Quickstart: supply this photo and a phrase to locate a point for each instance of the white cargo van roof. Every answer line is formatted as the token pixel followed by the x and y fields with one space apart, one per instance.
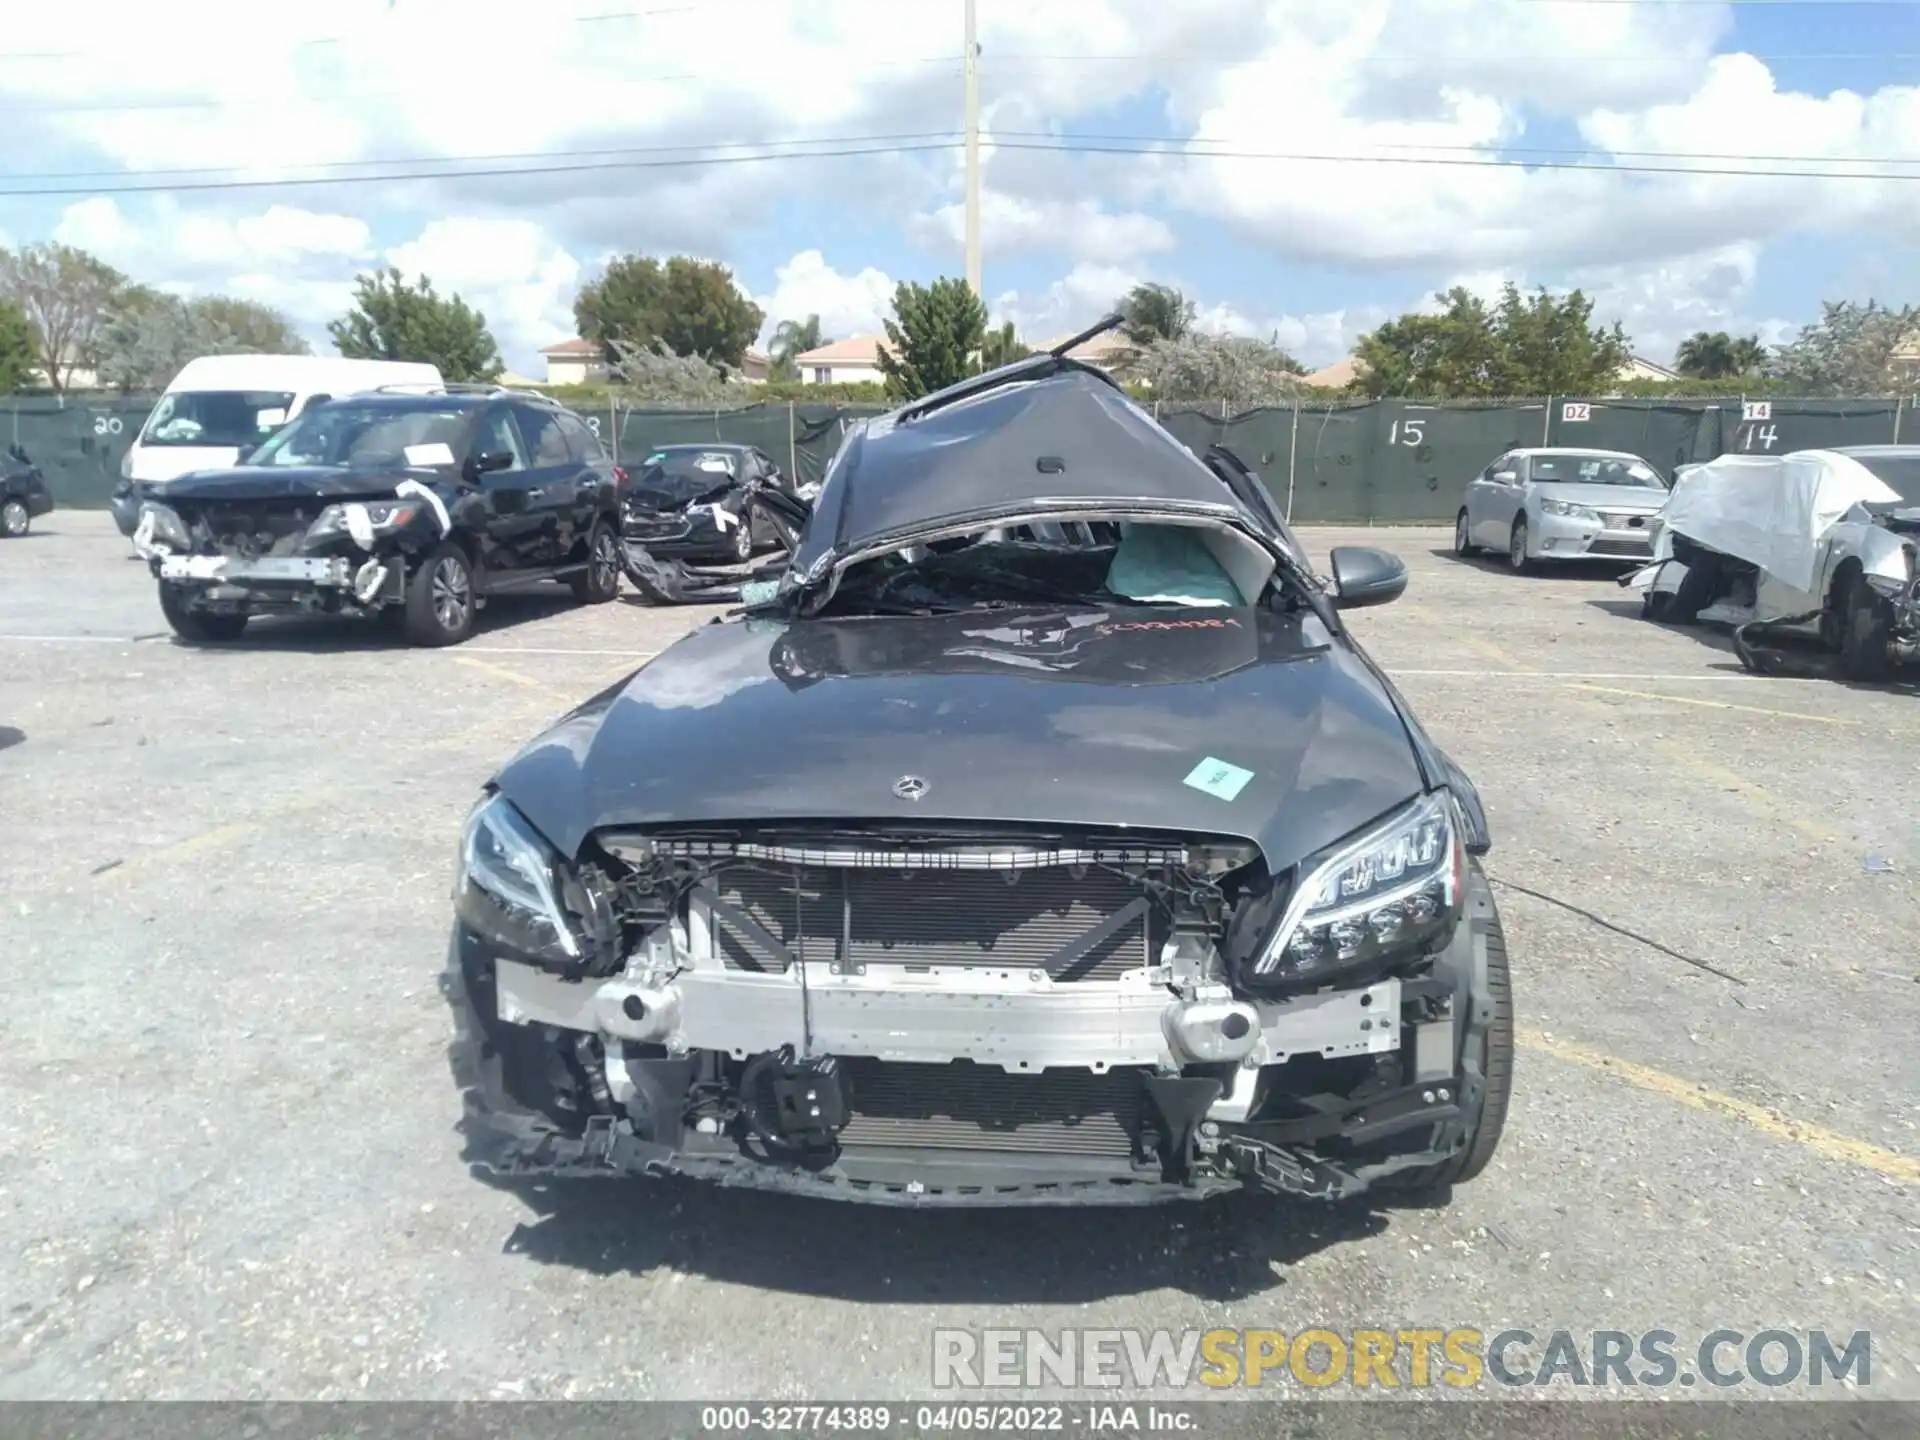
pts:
pixel 299 373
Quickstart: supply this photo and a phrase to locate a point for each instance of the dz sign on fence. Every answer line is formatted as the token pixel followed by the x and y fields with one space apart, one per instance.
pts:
pixel 1576 412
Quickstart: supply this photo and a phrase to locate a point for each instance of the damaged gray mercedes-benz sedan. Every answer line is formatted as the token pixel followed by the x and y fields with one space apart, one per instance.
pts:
pixel 1040 835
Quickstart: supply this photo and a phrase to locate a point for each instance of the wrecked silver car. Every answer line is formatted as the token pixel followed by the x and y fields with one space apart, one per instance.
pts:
pixel 1814 546
pixel 1039 836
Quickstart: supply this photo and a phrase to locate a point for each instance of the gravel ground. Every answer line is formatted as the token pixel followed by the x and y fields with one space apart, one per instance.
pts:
pixel 227 1160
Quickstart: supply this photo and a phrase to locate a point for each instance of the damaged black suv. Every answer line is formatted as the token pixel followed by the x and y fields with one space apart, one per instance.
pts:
pixel 415 507
pixel 1038 835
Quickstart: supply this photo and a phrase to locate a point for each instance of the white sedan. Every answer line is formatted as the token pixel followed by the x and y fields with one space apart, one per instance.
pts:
pixel 1561 505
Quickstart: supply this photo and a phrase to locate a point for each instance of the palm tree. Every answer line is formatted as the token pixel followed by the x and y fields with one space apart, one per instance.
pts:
pixel 792 338
pixel 1156 312
pixel 1706 355
pixel 1749 355
pixel 1002 347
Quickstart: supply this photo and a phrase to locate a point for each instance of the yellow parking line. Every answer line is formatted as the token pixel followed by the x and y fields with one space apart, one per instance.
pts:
pixel 1716 705
pixel 1749 790
pixel 1829 1144
pixel 1492 651
pixel 501 672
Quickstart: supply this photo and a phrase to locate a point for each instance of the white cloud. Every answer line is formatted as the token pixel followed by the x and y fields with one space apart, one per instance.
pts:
pixel 510 270
pixel 93 84
pixel 846 304
pixel 1072 303
pixel 1082 229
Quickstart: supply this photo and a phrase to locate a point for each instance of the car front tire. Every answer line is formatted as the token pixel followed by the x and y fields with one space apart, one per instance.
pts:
pixel 200 627
pixel 600 581
pixel 14 519
pixel 743 541
pixel 1517 558
pixel 1463 545
pixel 441 602
pixel 1491 1052
pixel 1865 634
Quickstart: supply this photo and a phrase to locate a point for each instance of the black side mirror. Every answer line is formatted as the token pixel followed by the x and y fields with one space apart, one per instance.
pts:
pixel 490 462
pixel 1365 576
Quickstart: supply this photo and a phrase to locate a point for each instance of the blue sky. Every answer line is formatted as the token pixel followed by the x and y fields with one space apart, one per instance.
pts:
pixel 99 95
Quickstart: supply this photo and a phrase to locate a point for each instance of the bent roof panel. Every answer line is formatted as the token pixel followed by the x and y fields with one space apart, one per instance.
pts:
pixel 987 451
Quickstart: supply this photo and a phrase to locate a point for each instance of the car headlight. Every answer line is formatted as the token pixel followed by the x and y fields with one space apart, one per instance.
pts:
pixel 163 523
pixel 509 884
pixel 1392 889
pixel 1568 509
pixel 364 520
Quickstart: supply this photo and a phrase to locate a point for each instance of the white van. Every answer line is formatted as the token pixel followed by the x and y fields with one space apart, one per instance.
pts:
pixel 220 406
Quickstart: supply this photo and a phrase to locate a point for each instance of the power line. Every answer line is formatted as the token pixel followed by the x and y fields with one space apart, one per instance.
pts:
pixel 953 135
pixel 567 162
pixel 1082 139
pixel 263 102
pixel 490 173
pixel 314 40
pixel 1493 163
pixel 1454 57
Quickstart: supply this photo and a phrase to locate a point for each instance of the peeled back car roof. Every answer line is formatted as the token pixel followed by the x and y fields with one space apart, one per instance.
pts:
pixel 1067 435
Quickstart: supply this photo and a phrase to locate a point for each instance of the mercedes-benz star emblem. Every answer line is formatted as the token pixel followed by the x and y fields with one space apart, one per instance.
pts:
pixel 910 787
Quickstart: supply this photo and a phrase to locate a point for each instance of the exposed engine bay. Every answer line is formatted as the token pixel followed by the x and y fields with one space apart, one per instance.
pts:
pixel 308 555
pixel 881 1009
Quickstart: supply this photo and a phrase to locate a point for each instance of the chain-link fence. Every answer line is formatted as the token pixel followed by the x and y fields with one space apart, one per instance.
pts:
pixel 1382 461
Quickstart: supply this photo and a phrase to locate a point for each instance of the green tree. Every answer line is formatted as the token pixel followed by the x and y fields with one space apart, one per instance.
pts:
pixel 1852 349
pixel 1453 353
pixel 393 320
pixel 1155 312
pixel 692 306
pixel 18 347
pixel 1538 344
pixel 1002 347
pixel 933 339
pixel 1234 370
pixel 68 297
pixel 793 338
pixel 151 336
pixel 1716 355
pixel 1549 345
pixel 255 329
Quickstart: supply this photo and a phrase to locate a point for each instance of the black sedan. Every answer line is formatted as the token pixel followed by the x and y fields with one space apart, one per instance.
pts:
pixel 24 495
pixel 1039 836
pixel 692 502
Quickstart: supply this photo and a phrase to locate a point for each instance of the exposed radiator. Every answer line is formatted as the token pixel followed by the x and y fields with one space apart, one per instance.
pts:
pixel 963 1106
pixel 935 917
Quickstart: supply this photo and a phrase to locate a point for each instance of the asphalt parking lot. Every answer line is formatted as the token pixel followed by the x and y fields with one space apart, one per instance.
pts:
pixel 227 1159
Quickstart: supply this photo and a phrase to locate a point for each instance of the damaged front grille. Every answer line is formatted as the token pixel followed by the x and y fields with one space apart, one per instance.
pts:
pixel 250 531
pixel 963 1106
pixel 1080 923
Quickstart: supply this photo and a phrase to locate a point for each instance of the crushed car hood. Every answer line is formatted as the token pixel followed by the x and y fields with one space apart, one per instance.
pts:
pixel 289 482
pixel 658 491
pixel 1075 718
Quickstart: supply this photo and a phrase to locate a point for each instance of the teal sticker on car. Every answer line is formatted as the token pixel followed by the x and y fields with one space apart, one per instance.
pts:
pixel 1218 778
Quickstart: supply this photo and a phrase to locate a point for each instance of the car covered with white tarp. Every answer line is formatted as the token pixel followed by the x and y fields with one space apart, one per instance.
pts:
pixel 1814 543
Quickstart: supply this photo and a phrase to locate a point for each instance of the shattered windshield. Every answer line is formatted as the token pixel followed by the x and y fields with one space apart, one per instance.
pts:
pixel 1595 470
pixel 1080 564
pixel 342 435
pixel 240 418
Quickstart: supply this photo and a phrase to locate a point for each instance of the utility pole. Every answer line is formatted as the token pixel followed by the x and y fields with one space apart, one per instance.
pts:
pixel 973 153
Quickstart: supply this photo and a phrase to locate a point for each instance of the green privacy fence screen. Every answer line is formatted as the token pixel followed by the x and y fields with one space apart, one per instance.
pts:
pixel 1381 461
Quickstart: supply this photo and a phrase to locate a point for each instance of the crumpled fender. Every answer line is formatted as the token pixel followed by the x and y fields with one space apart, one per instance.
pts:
pixel 1883 555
